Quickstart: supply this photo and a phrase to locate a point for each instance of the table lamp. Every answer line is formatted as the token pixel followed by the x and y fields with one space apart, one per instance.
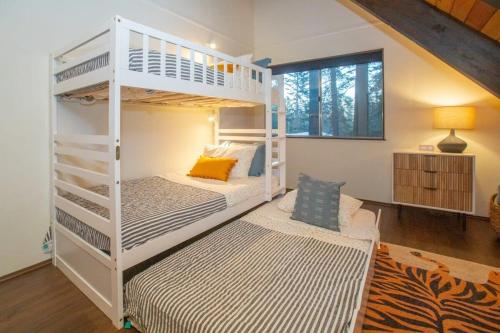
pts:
pixel 452 118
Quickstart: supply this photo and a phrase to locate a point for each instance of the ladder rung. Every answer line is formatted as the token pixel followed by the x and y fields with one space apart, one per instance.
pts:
pixel 83 153
pixel 90 175
pixel 82 139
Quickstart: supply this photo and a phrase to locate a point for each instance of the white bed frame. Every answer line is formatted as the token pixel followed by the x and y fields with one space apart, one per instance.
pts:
pixel 96 274
pixel 358 316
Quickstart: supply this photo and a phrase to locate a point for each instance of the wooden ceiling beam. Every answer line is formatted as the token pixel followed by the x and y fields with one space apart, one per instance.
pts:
pixel 470 52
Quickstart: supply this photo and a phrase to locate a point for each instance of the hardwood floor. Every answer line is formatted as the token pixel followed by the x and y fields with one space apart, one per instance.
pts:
pixel 440 233
pixel 44 300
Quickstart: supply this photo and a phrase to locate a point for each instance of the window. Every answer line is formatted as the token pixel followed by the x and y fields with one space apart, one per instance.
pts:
pixel 339 97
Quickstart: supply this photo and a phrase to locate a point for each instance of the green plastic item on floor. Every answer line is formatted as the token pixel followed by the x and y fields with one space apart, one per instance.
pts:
pixel 127 324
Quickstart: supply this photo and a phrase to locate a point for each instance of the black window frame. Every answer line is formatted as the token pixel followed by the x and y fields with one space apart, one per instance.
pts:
pixel 335 61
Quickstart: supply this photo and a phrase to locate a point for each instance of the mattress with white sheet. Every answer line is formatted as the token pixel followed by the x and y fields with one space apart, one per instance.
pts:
pixel 361 230
pixel 236 190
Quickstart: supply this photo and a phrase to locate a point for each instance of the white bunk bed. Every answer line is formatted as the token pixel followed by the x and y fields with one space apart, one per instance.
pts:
pixel 156 68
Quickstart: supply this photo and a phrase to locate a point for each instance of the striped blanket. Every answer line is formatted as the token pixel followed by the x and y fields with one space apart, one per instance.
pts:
pixel 151 207
pixel 247 278
pixel 154 61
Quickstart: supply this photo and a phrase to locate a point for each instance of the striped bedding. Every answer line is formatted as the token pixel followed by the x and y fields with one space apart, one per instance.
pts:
pixel 247 278
pixel 151 207
pixel 135 64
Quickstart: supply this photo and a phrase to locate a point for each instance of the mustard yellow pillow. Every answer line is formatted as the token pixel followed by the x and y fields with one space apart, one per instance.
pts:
pixel 213 167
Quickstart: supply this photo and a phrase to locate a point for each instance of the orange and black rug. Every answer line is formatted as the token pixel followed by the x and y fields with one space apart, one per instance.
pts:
pixel 407 298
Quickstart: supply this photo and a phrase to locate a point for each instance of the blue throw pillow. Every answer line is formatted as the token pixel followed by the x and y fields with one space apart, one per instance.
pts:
pixel 318 202
pixel 258 162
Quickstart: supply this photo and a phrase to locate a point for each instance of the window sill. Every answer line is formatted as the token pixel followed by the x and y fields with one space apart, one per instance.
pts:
pixel 334 138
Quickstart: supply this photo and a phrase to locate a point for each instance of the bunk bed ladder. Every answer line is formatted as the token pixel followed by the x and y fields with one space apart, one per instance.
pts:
pixel 269 136
pixel 119 39
pixel 78 160
pixel 279 140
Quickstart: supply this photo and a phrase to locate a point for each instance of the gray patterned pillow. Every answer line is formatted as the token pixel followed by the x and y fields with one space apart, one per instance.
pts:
pixel 317 202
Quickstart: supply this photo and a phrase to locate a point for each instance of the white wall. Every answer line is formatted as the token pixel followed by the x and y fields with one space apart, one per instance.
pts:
pixel 244 117
pixel 294 30
pixel 155 140
pixel 30 30
pixel 224 20
pixel 284 30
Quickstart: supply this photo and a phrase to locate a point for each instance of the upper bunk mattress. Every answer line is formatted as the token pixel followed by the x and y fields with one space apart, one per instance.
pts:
pixel 247 277
pixel 154 67
pixel 151 207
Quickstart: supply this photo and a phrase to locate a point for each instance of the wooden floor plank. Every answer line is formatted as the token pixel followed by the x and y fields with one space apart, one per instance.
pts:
pixel 46 301
pixel 441 233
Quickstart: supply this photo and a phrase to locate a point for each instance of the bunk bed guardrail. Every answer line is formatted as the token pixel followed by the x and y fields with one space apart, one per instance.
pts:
pixel 152 59
pixel 277 144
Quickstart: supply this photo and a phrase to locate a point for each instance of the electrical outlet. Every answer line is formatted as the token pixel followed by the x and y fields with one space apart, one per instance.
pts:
pixel 426 147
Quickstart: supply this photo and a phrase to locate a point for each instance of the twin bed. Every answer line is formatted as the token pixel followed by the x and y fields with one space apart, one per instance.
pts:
pixel 262 273
pixel 155 206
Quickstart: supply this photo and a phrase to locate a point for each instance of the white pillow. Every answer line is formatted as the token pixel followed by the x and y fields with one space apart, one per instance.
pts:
pixel 244 154
pixel 362 226
pixel 216 150
pixel 347 208
pixel 288 202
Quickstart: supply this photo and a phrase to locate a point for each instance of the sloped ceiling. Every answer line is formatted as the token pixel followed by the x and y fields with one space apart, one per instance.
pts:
pixel 462 33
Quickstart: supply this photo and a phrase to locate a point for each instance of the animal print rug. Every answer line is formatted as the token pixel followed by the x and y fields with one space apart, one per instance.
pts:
pixel 408 298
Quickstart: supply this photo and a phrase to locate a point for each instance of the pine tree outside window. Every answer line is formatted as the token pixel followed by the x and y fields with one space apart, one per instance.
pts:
pixel 338 97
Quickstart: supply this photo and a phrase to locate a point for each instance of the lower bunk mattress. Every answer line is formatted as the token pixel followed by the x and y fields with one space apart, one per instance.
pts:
pixel 151 207
pixel 253 275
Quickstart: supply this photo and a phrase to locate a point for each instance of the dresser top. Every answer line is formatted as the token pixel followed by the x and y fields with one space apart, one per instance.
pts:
pixel 423 152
